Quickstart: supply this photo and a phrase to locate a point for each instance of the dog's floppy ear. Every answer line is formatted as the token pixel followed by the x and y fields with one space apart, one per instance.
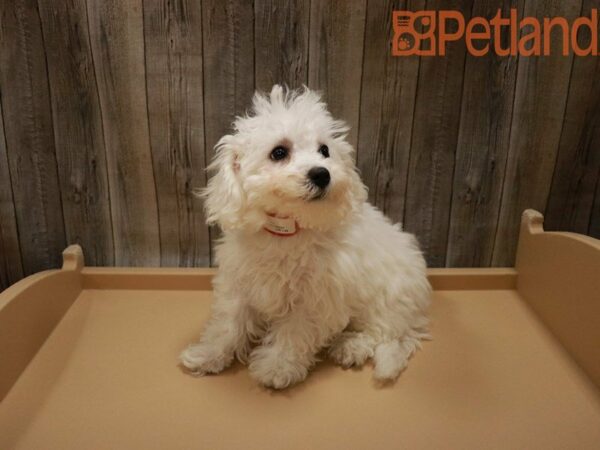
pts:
pixel 224 196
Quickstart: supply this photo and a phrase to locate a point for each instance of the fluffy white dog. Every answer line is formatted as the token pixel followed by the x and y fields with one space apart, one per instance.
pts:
pixel 305 262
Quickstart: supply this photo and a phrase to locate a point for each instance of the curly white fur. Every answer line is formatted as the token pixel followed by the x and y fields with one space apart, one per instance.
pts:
pixel 348 279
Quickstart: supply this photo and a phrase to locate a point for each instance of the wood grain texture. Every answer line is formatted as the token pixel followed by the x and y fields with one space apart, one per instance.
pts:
pixel 539 111
pixel 281 42
pixel 111 111
pixel 116 34
pixel 11 266
pixel 389 86
pixel 435 134
pixel 594 228
pixel 29 136
pixel 571 198
pixel 80 150
pixel 228 42
pixel 482 147
pixel 173 41
pixel 228 54
pixel 336 39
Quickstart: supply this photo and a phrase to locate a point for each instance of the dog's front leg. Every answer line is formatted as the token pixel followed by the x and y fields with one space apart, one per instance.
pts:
pixel 225 335
pixel 288 350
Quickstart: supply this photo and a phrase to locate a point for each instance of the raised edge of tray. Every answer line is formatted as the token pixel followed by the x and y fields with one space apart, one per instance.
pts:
pixel 559 278
pixel 200 279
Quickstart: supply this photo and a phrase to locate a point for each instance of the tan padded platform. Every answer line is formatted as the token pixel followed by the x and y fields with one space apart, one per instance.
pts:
pixel 107 376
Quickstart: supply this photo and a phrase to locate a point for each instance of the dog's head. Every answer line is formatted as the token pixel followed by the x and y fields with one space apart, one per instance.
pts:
pixel 288 157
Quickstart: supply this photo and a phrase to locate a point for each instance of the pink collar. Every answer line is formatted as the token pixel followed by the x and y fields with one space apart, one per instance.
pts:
pixel 282 226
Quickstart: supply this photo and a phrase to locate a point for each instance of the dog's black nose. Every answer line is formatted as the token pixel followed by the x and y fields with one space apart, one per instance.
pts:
pixel 319 176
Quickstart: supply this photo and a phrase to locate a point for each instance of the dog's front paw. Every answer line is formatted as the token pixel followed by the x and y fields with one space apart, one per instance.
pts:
pixel 202 359
pixel 273 369
pixel 351 349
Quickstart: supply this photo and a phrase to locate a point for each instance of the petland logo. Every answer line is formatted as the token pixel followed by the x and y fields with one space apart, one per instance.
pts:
pixel 426 33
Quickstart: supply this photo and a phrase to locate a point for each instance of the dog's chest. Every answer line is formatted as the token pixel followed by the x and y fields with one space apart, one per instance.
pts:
pixel 277 279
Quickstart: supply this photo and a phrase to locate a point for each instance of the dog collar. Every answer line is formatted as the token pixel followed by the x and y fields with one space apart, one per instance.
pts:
pixel 281 226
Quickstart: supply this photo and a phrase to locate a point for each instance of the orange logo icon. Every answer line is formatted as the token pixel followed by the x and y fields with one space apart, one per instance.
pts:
pixel 414 33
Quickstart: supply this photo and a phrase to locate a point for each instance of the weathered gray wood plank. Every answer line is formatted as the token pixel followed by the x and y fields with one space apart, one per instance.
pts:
pixel 281 42
pixel 173 39
pixel 29 136
pixel 539 111
pixel 389 87
pixel 11 266
pixel 116 122
pixel 228 37
pixel 228 52
pixel 577 167
pixel 117 42
pixel 435 134
pixel 78 134
pixel 482 148
pixel 335 60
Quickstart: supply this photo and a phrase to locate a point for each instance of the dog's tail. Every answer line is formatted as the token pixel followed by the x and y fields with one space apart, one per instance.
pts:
pixel 391 357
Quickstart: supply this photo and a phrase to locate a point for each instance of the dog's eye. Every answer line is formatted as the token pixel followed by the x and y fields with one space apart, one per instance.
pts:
pixel 279 153
pixel 324 150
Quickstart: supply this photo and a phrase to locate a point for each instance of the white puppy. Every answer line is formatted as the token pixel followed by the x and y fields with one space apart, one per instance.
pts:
pixel 305 262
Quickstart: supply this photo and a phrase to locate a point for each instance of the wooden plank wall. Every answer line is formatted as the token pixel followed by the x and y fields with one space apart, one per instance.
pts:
pixel 109 112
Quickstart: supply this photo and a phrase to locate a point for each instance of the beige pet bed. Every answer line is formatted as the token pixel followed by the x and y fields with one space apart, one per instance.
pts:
pixel 88 360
